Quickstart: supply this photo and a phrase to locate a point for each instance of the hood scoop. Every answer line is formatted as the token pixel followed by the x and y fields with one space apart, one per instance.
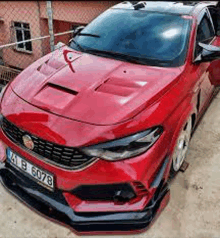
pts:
pixel 61 88
pixel 54 96
pixel 120 86
pixel 50 66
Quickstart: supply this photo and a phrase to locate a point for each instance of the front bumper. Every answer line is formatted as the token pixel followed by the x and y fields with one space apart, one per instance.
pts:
pixel 54 206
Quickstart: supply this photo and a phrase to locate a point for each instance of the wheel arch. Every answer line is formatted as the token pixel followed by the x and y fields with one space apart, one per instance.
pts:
pixel 185 110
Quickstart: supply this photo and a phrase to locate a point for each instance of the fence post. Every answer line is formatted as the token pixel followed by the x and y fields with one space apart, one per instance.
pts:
pixel 50 24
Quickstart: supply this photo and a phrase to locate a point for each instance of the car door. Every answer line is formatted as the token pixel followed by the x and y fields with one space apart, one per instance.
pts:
pixel 205 34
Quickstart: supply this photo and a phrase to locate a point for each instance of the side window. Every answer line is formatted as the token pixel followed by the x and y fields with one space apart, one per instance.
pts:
pixel 205 33
pixel 215 14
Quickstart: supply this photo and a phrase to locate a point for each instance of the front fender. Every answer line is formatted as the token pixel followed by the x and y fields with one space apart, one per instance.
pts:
pixel 181 114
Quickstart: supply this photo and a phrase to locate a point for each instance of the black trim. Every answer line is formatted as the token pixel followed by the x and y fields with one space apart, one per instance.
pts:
pixel 104 192
pixel 54 206
pixel 155 183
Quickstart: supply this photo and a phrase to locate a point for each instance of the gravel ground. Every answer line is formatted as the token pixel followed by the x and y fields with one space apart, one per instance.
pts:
pixel 193 211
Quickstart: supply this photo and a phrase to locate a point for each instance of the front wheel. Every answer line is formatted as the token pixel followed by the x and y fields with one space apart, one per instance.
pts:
pixel 181 147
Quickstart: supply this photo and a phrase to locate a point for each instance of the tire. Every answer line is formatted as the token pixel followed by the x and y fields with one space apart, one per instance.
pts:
pixel 181 147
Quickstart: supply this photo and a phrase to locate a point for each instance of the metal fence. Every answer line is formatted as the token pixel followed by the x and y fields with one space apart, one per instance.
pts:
pixel 31 29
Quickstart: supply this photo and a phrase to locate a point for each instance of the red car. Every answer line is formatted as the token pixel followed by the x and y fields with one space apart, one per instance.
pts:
pixel 91 132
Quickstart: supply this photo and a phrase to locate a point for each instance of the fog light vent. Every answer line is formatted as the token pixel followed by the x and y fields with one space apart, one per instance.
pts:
pixel 139 188
pixel 123 196
pixel 108 192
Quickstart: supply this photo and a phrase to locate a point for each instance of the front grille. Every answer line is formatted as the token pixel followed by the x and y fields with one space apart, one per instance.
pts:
pixel 68 157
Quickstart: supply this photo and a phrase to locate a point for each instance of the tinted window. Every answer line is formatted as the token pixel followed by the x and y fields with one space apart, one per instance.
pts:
pixel 215 14
pixel 205 33
pixel 205 30
pixel 161 39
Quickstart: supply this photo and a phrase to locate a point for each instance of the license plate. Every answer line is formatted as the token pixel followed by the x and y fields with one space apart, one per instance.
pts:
pixel 41 176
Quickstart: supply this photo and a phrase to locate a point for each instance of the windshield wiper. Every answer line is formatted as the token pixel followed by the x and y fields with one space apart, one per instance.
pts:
pixel 77 44
pixel 88 34
pixel 126 57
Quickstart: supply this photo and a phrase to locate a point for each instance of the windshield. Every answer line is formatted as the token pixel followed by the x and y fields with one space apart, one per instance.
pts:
pixel 158 39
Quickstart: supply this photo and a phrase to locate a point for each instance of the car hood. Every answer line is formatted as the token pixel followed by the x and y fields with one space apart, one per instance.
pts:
pixel 90 88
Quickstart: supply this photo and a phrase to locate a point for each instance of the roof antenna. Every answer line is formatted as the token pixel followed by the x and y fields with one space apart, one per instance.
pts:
pixel 139 5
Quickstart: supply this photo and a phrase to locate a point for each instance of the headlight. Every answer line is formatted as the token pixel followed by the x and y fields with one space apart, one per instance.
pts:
pixel 126 147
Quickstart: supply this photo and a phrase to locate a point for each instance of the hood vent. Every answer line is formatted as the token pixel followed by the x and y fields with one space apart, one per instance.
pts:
pixel 120 87
pixel 54 96
pixel 61 88
pixel 50 66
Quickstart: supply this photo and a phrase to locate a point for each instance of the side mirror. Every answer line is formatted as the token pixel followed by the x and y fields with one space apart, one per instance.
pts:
pixel 209 53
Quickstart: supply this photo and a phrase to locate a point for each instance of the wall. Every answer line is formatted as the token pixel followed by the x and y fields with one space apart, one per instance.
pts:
pixel 66 14
pixel 22 12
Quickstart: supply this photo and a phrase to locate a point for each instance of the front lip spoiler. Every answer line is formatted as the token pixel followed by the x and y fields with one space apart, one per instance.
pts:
pixel 55 207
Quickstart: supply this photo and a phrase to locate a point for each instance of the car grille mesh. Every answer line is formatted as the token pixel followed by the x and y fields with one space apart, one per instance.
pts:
pixel 63 156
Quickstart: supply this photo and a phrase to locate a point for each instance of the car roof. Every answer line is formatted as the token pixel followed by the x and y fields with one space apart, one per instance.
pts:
pixel 178 7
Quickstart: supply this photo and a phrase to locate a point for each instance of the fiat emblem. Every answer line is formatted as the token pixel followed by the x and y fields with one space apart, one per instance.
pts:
pixel 28 142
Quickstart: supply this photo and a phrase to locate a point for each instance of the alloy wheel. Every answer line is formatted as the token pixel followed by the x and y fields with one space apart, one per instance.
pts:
pixel 182 145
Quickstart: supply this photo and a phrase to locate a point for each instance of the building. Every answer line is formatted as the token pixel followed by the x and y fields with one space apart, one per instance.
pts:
pixel 23 20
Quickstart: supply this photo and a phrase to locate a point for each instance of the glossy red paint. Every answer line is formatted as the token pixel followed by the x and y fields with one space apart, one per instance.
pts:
pixel 88 99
